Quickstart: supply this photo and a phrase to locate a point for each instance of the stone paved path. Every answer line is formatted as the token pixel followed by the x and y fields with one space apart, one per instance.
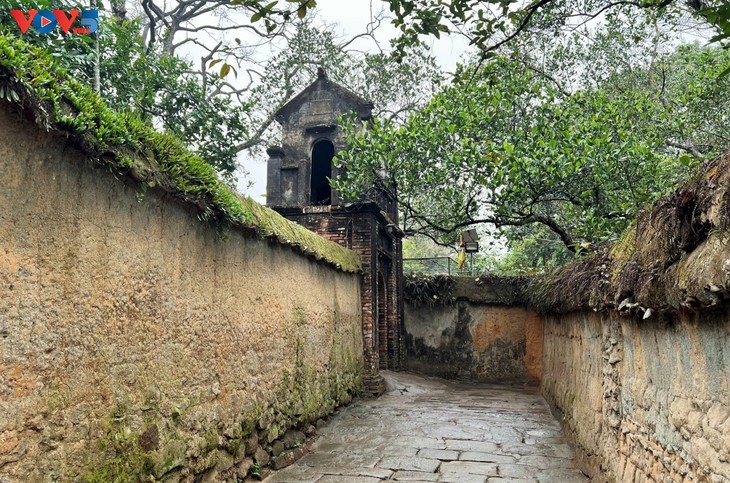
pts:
pixel 427 429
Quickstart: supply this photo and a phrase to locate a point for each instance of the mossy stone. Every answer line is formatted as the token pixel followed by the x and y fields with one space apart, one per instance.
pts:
pixel 170 457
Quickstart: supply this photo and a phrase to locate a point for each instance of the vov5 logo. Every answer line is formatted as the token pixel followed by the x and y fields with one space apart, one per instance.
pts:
pixel 45 21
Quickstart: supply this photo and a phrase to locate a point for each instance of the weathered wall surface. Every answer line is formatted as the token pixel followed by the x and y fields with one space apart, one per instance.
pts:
pixel 477 336
pixel 643 400
pixel 639 360
pixel 135 341
pixel 474 341
pixel 362 229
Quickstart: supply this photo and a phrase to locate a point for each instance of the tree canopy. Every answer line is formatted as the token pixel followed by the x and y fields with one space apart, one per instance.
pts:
pixel 491 24
pixel 224 103
pixel 511 145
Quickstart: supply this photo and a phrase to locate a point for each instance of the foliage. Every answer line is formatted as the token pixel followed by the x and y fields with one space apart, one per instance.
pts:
pixel 505 150
pixel 34 79
pixel 575 137
pixel 532 250
pixel 422 247
pixel 216 113
pixel 719 16
pixel 670 260
pixel 491 24
pixel 123 460
pixel 76 51
pixel 150 84
pixel 256 470
pixel 158 87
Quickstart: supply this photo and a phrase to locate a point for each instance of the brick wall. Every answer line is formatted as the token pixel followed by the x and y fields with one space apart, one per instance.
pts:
pixel 366 232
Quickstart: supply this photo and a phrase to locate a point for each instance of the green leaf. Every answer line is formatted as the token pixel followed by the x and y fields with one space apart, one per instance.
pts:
pixel 685 159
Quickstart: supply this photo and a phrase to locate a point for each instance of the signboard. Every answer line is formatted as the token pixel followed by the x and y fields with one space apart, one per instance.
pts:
pixel 469 241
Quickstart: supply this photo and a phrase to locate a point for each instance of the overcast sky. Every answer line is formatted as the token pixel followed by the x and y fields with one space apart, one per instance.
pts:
pixel 351 18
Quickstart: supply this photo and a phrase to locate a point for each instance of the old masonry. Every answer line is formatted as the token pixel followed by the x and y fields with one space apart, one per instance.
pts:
pixel 298 187
pixel 139 344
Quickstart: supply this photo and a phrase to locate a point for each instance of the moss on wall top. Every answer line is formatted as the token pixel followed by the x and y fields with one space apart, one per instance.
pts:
pixel 674 257
pixel 34 80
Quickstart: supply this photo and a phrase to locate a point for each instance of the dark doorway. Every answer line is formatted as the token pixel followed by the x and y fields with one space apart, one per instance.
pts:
pixel 322 153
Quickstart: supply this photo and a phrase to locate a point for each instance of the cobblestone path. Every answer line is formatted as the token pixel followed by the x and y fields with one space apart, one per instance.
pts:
pixel 427 429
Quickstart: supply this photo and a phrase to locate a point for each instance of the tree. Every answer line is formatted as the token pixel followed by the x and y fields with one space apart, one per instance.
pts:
pixel 395 88
pixel 206 103
pixel 491 24
pixel 146 82
pixel 509 147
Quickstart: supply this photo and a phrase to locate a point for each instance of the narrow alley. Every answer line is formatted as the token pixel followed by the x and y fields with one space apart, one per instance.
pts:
pixel 428 429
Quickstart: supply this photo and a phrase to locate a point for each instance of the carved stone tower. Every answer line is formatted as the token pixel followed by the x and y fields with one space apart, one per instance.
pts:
pixel 298 187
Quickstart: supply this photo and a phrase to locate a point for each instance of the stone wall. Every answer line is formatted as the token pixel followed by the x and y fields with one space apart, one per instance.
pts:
pixel 135 340
pixel 643 400
pixel 481 333
pixel 637 346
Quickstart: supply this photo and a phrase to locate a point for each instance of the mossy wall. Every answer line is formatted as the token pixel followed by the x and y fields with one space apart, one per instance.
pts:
pixel 137 341
pixel 476 328
pixel 637 341
pixel 673 259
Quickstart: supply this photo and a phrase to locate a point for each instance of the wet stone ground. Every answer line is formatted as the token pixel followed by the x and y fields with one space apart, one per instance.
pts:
pixel 427 429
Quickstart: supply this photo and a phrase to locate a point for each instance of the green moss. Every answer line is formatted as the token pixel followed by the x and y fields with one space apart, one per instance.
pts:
pixel 250 419
pixel 130 145
pixel 56 399
pixel 622 252
pixel 210 440
pixel 119 457
pixel 235 447
pixel 298 400
pixel 170 457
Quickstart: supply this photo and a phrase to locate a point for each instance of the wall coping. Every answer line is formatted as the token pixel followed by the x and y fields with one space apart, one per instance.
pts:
pixel 33 81
pixel 674 257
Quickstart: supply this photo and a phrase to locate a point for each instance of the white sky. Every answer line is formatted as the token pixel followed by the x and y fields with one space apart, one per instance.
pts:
pixel 351 18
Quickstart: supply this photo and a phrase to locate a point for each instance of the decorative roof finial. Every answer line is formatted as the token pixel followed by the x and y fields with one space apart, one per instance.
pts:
pixel 321 74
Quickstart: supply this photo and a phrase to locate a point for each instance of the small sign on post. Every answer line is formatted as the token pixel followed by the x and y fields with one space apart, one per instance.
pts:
pixel 469 241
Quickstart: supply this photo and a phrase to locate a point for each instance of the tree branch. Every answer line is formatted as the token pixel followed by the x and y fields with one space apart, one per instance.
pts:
pixel 690 148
